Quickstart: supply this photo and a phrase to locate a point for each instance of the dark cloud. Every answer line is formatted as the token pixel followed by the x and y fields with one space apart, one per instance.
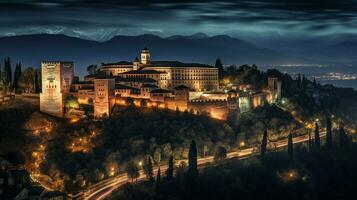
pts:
pixel 177 16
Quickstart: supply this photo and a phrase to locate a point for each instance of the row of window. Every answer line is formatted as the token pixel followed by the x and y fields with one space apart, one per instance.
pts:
pixel 195 82
pixel 51 86
pixel 194 71
pixel 195 78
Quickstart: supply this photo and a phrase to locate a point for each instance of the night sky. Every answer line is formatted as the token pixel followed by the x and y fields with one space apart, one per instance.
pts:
pixel 101 20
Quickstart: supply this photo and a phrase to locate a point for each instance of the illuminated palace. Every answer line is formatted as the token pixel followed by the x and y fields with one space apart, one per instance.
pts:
pixel 168 74
pixel 146 83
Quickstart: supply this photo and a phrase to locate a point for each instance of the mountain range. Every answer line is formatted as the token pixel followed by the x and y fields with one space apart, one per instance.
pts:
pixel 30 50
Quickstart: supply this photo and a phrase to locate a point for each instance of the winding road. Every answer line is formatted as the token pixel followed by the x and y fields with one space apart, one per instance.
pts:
pixel 103 189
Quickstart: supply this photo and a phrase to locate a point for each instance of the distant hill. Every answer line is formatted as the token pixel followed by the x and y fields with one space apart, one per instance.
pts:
pixel 194 36
pixel 32 49
pixel 345 51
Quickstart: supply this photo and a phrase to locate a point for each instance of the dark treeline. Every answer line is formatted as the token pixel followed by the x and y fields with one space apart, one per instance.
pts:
pixel 18 80
pixel 324 172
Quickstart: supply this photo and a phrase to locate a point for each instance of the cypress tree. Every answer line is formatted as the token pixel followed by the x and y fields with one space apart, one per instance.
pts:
pixel 148 169
pixel 6 74
pixel 9 71
pixel 328 133
pixel 220 68
pixel 290 147
pixel 17 75
pixel 37 85
pixel 343 138
pixel 1 80
pixel 314 82
pixel 158 183
pixel 170 169
pixel 263 147
pixel 192 159
pixel 317 136
pixel 311 143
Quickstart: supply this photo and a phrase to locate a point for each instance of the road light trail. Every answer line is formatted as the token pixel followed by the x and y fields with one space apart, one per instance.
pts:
pixel 103 189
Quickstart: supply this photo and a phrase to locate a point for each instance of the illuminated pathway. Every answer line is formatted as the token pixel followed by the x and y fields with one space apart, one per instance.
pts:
pixel 103 189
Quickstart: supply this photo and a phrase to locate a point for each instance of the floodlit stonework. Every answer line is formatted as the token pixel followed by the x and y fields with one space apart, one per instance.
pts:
pixel 161 84
pixel 104 98
pixel 169 74
pixel 57 80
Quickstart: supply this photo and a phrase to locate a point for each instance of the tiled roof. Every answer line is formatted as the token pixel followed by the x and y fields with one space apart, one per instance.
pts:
pixel 175 64
pixel 117 63
pixel 87 87
pixel 120 86
pixel 84 82
pixel 144 80
pixel 160 91
pixel 157 64
pixel 150 71
pixel 182 87
pixel 149 86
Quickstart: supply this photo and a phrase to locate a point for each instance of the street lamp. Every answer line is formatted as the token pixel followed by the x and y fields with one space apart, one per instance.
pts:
pixel 242 144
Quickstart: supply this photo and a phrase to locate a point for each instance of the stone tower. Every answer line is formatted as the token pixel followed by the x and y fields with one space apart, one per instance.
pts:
pixel 274 87
pixel 104 96
pixel 136 63
pixel 182 94
pixel 145 56
pixel 233 100
pixel 57 78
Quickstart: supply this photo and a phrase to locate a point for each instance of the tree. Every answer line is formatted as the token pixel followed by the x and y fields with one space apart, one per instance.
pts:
pixel 344 142
pixel 148 169
pixel 132 171
pixel 158 183
pixel 27 80
pixel 220 68
pixel 6 75
pixel 17 75
pixel 192 159
pixel 92 69
pixel 71 102
pixel 290 147
pixel 220 154
pixel 311 143
pixel 170 169
pixel 37 81
pixel 263 147
pixel 317 136
pixel 328 133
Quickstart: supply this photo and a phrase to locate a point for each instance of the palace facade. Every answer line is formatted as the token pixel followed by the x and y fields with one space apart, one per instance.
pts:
pixel 168 74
